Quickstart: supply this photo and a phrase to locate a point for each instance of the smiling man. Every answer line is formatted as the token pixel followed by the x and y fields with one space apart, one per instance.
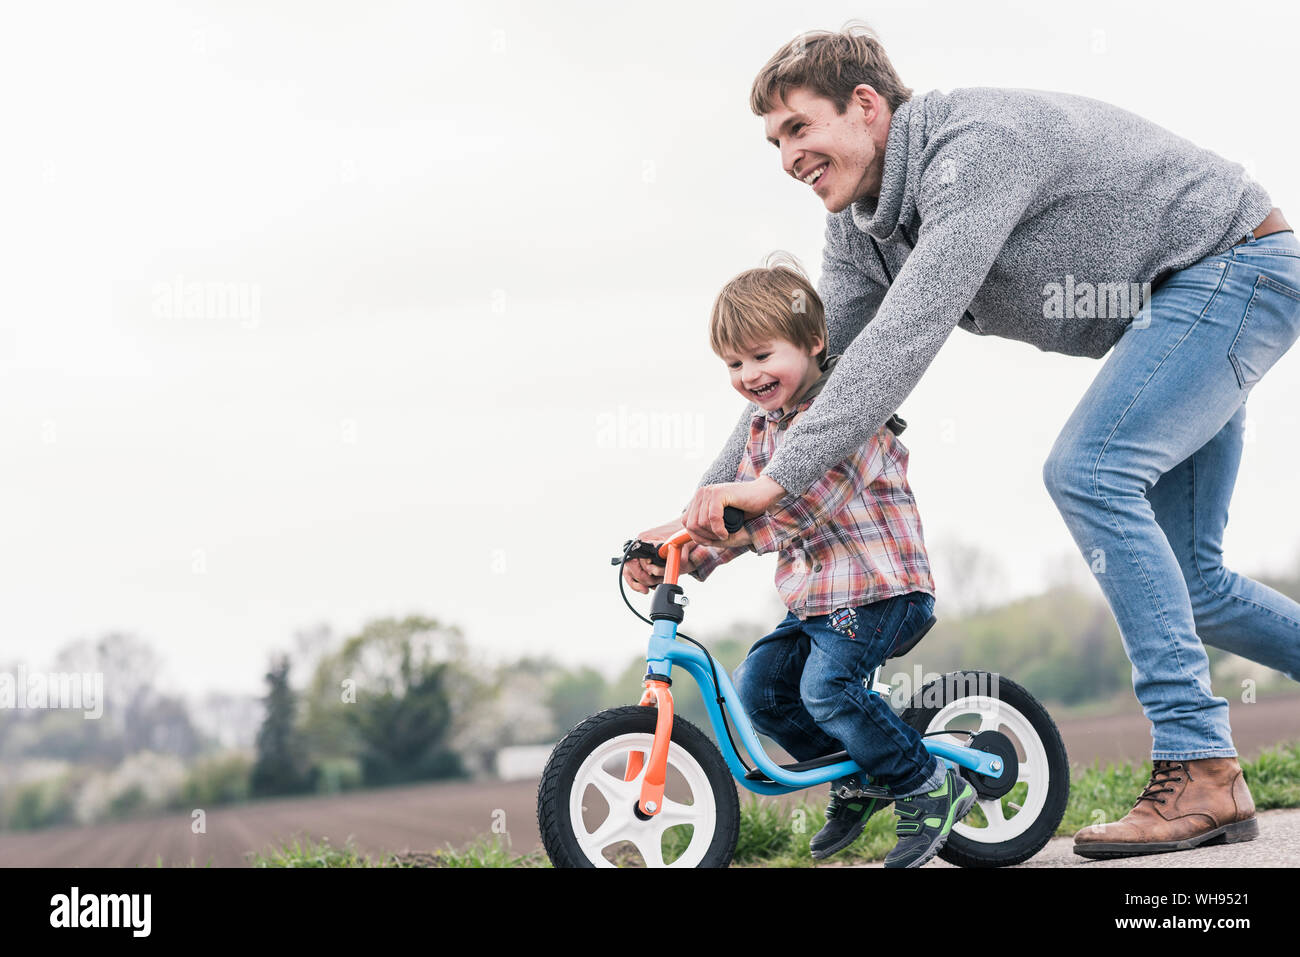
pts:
pixel 968 209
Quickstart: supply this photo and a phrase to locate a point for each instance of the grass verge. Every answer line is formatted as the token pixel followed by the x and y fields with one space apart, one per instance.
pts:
pixel 482 852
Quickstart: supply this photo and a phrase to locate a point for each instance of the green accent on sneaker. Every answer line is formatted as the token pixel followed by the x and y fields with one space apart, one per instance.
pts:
pixel 926 820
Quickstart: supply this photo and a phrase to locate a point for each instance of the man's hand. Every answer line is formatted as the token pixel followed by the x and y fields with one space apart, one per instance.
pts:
pixel 641 574
pixel 703 518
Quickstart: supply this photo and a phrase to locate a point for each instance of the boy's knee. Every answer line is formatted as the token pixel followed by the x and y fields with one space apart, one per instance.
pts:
pixel 824 697
pixel 767 710
pixel 749 691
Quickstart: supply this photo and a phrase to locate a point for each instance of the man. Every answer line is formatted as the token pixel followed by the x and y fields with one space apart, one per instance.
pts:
pixel 1025 214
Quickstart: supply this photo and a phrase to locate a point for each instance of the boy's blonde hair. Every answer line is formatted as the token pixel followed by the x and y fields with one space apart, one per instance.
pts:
pixel 830 65
pixel 775 301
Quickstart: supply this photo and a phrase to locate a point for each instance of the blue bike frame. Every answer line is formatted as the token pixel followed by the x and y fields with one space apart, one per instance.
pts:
pixel 665 650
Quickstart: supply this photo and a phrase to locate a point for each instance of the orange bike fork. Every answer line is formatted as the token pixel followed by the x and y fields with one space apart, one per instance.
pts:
pixel 657 693
pixel 652 785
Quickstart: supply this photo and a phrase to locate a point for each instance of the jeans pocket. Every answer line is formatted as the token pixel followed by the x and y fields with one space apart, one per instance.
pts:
pixel 1268 329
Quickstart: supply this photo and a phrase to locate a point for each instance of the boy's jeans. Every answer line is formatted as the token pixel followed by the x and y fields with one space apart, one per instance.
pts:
pixel 802 687
pixel 1143 473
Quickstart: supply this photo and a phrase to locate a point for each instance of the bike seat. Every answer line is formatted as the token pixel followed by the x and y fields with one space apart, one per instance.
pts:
pixel 912 642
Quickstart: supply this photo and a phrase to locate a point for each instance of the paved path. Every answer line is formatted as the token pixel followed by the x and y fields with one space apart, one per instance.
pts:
pixel 1278 845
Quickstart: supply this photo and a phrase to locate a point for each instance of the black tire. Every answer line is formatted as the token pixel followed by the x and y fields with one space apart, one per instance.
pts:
pixel 960 849
pixel 555 790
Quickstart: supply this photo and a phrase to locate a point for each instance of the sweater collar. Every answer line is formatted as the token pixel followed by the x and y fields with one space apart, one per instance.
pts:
pixel 896 205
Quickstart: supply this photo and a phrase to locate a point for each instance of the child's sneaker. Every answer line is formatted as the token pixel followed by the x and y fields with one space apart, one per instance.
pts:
pixel 925 820
pixel 845 820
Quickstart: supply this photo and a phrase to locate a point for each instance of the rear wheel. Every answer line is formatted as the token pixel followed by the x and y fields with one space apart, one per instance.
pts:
pixel 1011 822
pixel 588 815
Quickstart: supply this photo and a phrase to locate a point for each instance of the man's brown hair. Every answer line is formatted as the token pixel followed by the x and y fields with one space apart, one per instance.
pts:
pixel 830 65
pixel 775 301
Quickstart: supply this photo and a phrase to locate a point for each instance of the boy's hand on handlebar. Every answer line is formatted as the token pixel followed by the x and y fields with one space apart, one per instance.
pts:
pixel 641 574
pixel 739 539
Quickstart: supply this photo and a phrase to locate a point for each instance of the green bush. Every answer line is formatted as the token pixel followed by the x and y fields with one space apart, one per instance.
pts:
pixel 126 803
pixel 333 775
pixel 221 779
pixel 46 803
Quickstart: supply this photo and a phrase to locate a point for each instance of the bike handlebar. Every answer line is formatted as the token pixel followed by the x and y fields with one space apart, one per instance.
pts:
pixel 732 518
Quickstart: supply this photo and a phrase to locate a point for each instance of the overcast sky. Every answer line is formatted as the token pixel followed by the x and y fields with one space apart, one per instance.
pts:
pixel 317 312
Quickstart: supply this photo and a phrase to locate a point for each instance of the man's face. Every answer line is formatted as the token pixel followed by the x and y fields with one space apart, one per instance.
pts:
pixel 844 147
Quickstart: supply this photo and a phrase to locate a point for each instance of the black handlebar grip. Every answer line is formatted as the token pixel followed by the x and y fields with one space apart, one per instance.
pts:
pixel 733 518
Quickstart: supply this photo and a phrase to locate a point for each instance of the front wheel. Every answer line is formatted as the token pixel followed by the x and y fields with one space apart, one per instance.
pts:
pixel 588 815
pixel 1010 822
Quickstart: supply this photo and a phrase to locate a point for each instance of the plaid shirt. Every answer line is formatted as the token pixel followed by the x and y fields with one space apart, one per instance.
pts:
pixel 852 539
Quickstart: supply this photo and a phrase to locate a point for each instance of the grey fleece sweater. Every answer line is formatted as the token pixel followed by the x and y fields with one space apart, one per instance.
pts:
pixel 989 198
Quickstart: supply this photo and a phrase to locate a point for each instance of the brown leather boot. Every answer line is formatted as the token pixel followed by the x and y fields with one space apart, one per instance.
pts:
pixel 1185 804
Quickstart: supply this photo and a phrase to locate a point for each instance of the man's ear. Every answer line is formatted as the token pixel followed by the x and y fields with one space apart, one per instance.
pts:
pixel 866 101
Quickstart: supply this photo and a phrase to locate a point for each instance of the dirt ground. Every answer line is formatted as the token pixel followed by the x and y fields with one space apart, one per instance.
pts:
pixel 429 816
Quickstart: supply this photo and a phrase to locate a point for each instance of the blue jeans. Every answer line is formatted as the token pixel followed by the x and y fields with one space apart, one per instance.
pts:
pixel 1143 472
pixel 802 686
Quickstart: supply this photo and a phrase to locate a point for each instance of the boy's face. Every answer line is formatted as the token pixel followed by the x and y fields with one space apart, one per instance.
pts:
pixel 774 373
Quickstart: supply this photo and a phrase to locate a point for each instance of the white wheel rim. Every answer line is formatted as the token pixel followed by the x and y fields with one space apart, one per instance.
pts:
pixel 996 715
pixel 603 770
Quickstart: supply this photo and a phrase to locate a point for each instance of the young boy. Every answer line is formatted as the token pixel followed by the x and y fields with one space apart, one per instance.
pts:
pixel 852 569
